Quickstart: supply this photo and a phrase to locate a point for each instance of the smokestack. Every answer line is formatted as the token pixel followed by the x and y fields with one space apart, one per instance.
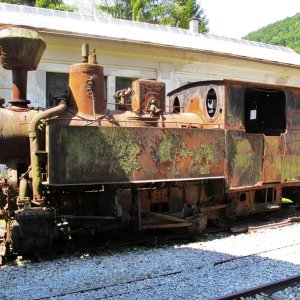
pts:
pixel 20 51
pixel 194 25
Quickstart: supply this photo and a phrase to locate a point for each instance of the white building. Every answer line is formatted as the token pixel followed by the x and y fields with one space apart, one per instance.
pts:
pixel 130 50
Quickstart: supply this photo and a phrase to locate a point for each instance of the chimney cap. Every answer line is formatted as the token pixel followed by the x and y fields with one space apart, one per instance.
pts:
pixel 194 18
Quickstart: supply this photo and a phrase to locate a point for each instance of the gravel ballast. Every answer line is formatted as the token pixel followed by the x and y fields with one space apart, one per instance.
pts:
pixel 201 270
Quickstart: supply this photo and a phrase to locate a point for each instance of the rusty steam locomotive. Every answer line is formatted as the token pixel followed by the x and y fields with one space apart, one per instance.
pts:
pixel 225 149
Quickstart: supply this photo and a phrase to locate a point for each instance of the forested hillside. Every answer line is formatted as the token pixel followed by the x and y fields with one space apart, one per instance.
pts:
pixel 282 33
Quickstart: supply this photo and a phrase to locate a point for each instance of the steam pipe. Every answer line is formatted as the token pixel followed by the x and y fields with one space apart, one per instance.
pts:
pixel 34 147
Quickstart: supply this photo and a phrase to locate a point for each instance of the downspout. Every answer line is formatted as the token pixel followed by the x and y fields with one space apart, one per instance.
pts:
pixel 34 147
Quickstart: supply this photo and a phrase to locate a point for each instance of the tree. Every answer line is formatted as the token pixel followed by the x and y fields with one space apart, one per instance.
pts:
pixel 118 9
pixel 138 7
pixel 135 10
pixel 55 4
pixel 282 33
pixel 21 2
pixel 165 12
pixel 179 12
pixel 52 4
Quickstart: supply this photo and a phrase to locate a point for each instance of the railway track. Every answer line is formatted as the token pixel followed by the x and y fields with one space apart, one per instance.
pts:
pixel 281 218
pixel 254 254
pixel 128 282
pixel 150 281
pixel 264 289
pixel 160 272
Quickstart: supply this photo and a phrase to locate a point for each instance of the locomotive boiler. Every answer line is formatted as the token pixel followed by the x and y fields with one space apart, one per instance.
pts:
pixel 225 149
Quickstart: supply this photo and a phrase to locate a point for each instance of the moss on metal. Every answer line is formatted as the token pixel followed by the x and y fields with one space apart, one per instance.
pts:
pixel 167 151
pixel 205 157
pixel 125 149
pixel 166 148
pixel 244 159
pixel 291 168
pixel 172 149
pixel 114 150
pixel 91 154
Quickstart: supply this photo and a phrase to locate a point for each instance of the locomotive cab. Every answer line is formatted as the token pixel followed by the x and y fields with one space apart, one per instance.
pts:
pixel 259 153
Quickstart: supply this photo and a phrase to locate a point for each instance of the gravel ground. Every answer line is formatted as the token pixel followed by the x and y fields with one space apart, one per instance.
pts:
pixel 202 270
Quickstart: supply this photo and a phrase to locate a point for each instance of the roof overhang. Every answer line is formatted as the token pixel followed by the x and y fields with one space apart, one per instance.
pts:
pixel 72 24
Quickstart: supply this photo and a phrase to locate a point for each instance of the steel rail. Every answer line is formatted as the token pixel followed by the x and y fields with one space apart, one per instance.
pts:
pixel 130 281
pixel 221 262
pixel 274 286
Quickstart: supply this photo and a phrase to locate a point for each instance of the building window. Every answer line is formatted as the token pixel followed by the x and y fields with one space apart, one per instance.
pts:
pixel 56 85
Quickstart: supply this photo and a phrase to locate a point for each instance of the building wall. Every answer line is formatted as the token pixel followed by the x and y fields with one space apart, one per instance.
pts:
pixel 122 59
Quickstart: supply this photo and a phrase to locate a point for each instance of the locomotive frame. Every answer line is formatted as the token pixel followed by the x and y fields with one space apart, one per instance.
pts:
pixel 226 149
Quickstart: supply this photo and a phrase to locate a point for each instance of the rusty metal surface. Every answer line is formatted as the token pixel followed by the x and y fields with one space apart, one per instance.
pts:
pixel 19 86
pixel 21 48
pixel 192 99
pixel 20 51
pixel 272 159
pixel 291 158
pixel 144 90
pixel 235 106
pixel 14 139
pixel 105 155
pixel 35 146
pixel 243 157
pixel 130 119
pixel 31 229
pixel 293 109
pixel 235 103
pixel 87 89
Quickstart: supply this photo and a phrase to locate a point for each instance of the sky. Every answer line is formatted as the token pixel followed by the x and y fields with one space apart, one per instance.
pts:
pixel 232 18
pixel 236 18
